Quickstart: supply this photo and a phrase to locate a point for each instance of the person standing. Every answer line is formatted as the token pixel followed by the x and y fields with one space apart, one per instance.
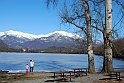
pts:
pixel 31 65
pixel 26 68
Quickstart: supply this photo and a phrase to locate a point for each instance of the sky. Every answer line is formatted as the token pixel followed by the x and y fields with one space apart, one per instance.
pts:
pixel 30 16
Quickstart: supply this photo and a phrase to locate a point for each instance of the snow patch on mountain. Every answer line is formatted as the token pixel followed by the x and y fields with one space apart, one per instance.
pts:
pixel 19 34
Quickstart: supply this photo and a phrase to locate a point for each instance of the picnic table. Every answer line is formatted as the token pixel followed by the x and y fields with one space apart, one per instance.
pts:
pixel 116 73
pixel 7 73
pixel 3 72
pixel 80 71
pixel 63 75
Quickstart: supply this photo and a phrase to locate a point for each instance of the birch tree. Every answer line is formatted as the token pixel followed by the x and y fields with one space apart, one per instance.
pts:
pixel 81 18
pixel 79 15
pixel 103 23
pixel 89 36
pixel 107 65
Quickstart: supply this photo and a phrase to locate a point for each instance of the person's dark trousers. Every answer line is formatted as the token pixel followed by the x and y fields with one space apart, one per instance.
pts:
pixel 31 69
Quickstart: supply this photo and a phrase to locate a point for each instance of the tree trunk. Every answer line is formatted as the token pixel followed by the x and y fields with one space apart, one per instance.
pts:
pixel 107 64
pixel 91 68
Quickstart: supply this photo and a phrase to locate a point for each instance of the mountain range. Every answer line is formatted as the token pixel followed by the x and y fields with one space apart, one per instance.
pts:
pixel 17 39
pixel 3 45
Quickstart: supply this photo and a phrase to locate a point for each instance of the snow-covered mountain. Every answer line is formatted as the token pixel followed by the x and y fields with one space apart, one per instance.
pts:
pixel 17 39
pixel 22 35
pixel 2 44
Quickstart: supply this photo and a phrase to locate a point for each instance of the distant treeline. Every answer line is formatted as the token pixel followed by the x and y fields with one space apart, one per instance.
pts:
pixel 10 50
pixel 118 49
pixel 17 50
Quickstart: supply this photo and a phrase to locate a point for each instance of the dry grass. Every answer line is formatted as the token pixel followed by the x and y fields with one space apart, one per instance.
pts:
pixel 23 76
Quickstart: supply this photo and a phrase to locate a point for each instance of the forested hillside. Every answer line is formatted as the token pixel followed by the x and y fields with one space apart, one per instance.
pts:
pixel 3 45
pixel 118 49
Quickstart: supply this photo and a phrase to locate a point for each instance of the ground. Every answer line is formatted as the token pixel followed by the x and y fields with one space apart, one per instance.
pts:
pixel 43 77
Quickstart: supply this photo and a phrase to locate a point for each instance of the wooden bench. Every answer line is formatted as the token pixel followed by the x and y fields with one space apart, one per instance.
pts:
pixel 3 72
pixel 63 75
pixel 116 73
pixel 7 73
pixel 80 71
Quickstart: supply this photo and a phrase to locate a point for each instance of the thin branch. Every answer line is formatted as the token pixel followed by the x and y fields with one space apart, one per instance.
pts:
pixel 73 23
pixel 118 21
pixel 97 28
pixel 119 3
pixel 54 2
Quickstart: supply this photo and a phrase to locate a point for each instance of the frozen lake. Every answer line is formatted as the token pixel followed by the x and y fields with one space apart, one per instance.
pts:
pixel 49 61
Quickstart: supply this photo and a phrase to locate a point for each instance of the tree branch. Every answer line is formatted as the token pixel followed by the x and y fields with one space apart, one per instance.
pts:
pixel 73 23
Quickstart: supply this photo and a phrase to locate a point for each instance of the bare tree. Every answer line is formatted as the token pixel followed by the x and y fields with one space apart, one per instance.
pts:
pixel 89 36
pixel 79 15
pixel 103 23
pixel 107 65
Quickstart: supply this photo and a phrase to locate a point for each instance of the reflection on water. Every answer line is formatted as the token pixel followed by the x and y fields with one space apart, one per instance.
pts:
pixel 49 62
